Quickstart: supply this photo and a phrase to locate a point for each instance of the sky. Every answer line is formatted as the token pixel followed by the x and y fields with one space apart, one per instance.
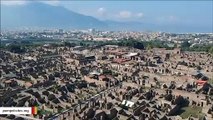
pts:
pixel 159 12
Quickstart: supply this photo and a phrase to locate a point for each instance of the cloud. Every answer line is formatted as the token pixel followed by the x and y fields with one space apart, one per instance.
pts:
pixel 125 14
pixel 128 14
pixel 13 2
pixel 139 15
pixel 52 2
pixel 101 11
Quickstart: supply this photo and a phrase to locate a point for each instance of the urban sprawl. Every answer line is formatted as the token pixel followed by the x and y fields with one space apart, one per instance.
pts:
pixel 105 75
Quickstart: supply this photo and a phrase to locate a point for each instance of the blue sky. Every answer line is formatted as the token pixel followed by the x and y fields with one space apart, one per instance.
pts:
pixel 159 12
pixel 189 12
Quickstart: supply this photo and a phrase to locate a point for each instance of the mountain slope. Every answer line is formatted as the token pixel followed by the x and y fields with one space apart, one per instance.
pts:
pixel 43 15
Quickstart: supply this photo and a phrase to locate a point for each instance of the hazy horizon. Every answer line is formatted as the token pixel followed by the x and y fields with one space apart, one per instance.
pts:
pixel 174 16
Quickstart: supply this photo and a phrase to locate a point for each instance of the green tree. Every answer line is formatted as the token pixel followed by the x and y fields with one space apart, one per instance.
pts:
pixel 211 50
pixel 17 49
pixel 149 47
pixel 185 44
pixel 68 44
pixel 138 45
pixel 82 44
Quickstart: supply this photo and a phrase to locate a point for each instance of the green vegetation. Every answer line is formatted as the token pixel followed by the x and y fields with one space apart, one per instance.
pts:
pixel 194 111
pixel 68 44
pixel 185 44
pixel 211 81
pixel 201 48
pixel 44 112
pixel 17 49
pixel 26 79
pixel 60 109
pixel 131 43
pixel 197 48
pixel 136 44
pixel 106 71
pixel 20 46
pixel 210 50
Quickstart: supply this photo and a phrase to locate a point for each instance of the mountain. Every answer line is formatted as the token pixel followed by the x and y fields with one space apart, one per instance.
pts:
pixel 36 14
pixel 42 15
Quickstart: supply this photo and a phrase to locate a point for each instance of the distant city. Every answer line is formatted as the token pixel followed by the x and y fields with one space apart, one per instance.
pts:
pixel 97 35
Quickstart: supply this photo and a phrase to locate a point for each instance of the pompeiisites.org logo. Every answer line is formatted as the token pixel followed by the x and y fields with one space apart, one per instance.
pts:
pixel 19 110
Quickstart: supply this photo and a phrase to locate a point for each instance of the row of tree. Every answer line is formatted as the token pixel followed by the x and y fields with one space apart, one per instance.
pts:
pixel 186 46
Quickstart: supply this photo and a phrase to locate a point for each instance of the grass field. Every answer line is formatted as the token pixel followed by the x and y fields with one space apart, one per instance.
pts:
pixel 195 111
pixel 211 81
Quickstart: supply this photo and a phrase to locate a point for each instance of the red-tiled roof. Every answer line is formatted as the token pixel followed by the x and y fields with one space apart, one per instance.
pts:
pixel 201 82
pixel 28 84
pixel 8 81
pixel 101 77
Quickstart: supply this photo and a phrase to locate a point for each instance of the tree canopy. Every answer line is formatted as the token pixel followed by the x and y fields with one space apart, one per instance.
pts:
pixel 68 44
pixel 16 48
pixel 185 44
